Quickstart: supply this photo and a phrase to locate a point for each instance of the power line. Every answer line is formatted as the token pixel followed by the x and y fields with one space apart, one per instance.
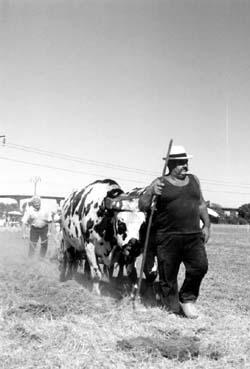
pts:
pixel 111 165
pixel 98 175
pixel 63 169
pixel 79 159
pixel 226 191
pixel 224 183
pixel 231 184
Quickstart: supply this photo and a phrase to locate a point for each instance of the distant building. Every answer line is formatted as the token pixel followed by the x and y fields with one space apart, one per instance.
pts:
pixel 227 211
pixel 231 212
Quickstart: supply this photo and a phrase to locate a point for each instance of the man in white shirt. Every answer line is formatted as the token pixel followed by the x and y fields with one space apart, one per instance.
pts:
pixel 39 220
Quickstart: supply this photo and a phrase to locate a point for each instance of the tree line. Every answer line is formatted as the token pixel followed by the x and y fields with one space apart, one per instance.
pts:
pixel 240 216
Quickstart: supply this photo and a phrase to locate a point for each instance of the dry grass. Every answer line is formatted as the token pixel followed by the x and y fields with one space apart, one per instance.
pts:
pixel 47 324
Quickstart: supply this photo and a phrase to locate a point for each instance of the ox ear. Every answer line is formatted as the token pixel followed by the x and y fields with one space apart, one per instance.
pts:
pixel 114 193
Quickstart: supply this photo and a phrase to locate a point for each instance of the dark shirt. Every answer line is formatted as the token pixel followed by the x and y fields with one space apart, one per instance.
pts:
pixel 178 209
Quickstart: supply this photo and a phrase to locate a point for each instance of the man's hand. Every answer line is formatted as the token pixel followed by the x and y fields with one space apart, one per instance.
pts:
pixel 154 189
pixel 206 233
pixel 157 186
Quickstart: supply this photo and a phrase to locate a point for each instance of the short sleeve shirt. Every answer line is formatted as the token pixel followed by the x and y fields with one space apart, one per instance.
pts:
pixel 37 218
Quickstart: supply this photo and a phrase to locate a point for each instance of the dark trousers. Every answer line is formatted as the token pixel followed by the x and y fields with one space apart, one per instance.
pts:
pixel 171 252
pixel 35 234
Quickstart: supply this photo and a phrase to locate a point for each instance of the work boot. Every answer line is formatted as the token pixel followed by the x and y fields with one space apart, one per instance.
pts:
pixel 189 310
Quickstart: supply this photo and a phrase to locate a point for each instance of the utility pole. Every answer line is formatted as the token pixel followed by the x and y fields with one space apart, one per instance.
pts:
pixel 35 180
pixel 227 142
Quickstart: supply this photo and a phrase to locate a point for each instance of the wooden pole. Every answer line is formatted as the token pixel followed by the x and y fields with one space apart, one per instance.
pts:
pixel 153 207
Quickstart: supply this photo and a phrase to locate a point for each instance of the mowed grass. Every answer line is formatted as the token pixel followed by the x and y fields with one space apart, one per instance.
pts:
pixel 48 324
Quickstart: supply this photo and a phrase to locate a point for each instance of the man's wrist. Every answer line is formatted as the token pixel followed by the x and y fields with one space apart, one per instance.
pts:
pixel 150 191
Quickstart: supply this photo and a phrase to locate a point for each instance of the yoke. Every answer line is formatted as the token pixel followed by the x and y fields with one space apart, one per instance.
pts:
pixel 123 202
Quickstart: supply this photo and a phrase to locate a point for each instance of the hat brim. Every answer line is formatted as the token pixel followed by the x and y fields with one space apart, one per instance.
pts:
pixel 179 157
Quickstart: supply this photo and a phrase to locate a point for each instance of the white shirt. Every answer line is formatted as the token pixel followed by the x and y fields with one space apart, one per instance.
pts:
pixel 36 218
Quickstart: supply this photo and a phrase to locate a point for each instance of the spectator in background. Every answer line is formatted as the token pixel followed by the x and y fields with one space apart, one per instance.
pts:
pixel 39 220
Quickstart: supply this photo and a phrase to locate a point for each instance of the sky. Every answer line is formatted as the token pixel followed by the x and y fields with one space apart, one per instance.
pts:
pixel 93 89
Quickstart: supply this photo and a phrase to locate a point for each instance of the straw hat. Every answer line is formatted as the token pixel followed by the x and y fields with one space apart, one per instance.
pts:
pixel 178 152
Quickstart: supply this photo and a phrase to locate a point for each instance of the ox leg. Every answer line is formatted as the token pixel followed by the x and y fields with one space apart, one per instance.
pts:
pixel 132 275
pixel 107 270
pixel 120 274
pixel 117 264
pixel 72 262
pixel 96 274
pixel 87 270
pixel 108 263
pixel 63 268
pixel 68 261
pixel 62 258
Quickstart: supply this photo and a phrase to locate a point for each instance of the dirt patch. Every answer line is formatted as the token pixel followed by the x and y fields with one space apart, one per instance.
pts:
pixel 24 334
pixel 174 346
pixel 181 348
pixel 34 309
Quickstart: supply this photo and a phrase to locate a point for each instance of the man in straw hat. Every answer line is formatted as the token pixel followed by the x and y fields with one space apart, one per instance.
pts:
pixel 39 220
pixel 176 235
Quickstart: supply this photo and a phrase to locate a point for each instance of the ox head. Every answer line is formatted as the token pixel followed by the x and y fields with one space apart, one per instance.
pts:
pixel 129 229
pixel 128 221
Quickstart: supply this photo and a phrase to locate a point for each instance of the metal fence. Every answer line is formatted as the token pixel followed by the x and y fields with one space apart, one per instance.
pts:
pixel 230 227
pixel 230 234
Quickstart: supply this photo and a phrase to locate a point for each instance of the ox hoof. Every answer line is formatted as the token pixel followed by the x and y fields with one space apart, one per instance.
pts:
pixel 96 289
pixel 157 297
pixel 134 291
pixel 138 306
pixel 62 278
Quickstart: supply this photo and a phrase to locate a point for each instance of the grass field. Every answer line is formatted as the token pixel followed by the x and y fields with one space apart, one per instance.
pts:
pixel 46 324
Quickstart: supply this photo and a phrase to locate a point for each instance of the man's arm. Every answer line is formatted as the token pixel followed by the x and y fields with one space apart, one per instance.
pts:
pixel 25 223
pixel 204 215
pixel 26 217
pixel 205 218
pixel 145 199
pixel 155 188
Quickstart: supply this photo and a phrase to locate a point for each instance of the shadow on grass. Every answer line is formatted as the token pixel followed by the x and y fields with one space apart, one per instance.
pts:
pixel 118 288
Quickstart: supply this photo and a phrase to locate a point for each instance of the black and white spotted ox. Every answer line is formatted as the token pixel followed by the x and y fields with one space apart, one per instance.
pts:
pixel 102 223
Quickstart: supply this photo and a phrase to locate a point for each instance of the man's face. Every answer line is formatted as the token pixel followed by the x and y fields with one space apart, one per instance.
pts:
pixel 36 205
pixel 180 168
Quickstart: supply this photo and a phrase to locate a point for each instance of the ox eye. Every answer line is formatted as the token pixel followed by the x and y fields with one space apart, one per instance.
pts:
pixel 121 228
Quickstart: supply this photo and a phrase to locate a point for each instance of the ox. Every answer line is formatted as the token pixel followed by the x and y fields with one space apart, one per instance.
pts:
pixel 100 222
